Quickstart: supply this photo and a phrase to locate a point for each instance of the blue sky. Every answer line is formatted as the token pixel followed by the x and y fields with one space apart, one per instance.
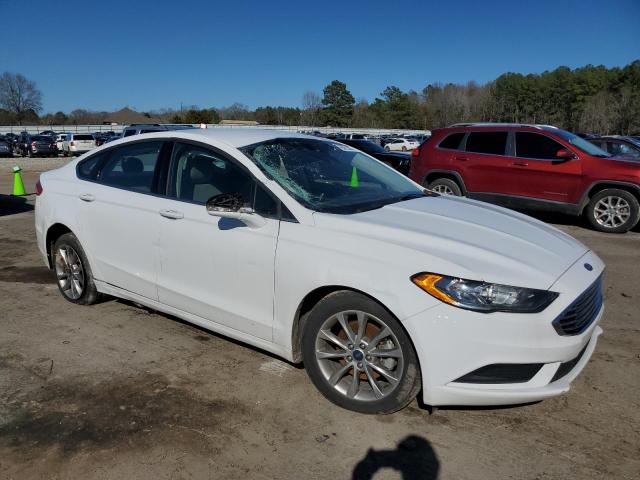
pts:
pixel 154 54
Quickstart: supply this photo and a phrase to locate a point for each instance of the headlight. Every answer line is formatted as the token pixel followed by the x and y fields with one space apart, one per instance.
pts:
pixel 483 297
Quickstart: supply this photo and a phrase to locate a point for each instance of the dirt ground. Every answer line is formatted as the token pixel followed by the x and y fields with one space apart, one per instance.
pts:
pixel 115 391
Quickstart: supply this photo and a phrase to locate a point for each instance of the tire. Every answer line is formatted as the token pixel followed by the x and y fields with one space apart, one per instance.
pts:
pixel 387 149
pixel 613 211
pixel 404 149
pixel 334 376
pixel 80 289
pixel 446 186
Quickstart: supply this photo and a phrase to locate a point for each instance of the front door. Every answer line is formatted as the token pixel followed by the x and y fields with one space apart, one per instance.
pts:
pixel 218 269
pixel 540 173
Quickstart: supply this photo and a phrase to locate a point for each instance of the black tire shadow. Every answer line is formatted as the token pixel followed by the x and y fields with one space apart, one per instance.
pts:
pixel 10 205
pixel 414 458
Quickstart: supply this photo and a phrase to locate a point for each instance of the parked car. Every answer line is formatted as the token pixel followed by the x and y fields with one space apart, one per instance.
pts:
pixel 382 288
pixel 398 161
pixel 49 133
pixel 532 167
pixel 60 139
pixel 401 144
pixel 78 143
pixel 136 129
pixel 618 146
pixel 6 148
pixel 36 146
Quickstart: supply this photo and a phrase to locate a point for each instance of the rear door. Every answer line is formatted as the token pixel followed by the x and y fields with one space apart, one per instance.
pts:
pixel 485 163
pixel 118 209
pixel 539 172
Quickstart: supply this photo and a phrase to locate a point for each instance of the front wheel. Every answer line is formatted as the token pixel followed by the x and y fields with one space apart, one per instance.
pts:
pixel 613 211
pixel 358 355
pixel 73 273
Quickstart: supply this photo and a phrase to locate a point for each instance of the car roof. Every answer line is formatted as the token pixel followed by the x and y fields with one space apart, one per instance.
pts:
pixel 236 137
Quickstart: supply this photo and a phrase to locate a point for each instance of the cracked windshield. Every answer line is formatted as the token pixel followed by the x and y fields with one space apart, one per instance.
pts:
pixel 331 177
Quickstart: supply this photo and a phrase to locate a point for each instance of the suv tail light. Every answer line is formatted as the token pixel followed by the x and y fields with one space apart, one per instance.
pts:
pixel 415 152
pixel 38 188
pixel 34 143
pixel 71 143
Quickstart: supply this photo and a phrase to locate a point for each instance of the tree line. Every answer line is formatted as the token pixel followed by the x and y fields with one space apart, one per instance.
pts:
pixel 590 99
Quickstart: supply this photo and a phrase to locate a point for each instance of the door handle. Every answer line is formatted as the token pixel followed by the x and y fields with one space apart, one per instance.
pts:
pixel 172 214
pixel 462 159
pixel 87 197
pixel 520 164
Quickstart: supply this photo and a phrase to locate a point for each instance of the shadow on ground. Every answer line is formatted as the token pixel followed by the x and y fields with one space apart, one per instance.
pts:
pixel 413 458
pixel 10 205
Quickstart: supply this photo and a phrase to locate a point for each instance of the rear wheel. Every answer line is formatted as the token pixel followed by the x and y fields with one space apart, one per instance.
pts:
pixel 445 186
pixel 358 355
pixel 613 211
pixel 73 273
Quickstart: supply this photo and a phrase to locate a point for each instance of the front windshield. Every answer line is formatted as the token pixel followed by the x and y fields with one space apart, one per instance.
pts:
pixel 581 143
pixel 329 176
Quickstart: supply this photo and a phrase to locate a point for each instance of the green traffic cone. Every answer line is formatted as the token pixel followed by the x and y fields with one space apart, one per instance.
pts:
pixel 18 185
pixel 354 178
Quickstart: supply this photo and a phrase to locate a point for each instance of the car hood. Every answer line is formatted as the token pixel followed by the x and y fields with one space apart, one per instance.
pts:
pixel 463 238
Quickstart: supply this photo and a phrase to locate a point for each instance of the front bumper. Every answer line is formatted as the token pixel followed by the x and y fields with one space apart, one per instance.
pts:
pixel 452 342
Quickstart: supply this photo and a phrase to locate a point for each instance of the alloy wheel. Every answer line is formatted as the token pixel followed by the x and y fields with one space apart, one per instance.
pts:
pixel 612 211
pixel 69 272
pixel 359 355
pixel 443 189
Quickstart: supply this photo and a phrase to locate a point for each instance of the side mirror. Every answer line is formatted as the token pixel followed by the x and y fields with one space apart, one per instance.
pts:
pixel 231 205
pixel 564 154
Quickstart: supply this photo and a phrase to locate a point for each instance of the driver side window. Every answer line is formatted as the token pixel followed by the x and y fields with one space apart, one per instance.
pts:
pixel 197 174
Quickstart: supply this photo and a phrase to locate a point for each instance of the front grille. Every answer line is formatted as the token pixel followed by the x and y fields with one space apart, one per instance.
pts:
pixel 582 312
pixel 566 367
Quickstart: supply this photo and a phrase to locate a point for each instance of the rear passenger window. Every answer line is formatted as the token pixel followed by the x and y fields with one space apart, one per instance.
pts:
pixel 88 169
pixel 131 167
pixel 534 145
pixel 487 142
pixel 452 141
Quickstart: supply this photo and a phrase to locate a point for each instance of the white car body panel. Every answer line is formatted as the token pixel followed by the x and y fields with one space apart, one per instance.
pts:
pixel 248 283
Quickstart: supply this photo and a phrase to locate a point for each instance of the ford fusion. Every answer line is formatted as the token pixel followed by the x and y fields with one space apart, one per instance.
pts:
pixel 318 253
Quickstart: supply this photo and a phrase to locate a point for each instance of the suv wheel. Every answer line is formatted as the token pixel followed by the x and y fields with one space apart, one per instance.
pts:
pixel 72 270
pixel 358 355
pixel 613 211
pixel 445 186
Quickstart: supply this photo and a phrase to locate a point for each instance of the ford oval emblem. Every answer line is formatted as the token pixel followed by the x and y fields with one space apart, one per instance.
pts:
pixel 588 266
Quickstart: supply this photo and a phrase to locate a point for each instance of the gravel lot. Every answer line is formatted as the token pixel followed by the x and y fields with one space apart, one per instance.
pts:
pixel 115 391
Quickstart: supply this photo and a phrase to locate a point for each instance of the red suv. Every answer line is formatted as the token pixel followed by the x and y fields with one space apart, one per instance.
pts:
pixel 531 167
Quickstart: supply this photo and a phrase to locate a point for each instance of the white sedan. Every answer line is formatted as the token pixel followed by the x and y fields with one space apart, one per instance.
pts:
pixel 401 145
pixel 316 252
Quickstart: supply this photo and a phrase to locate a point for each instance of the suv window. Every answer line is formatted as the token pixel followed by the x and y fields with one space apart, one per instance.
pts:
pixel 487 142
pixel 83 137
pixel 131 166
pixel 452 141
pixel 197 174
pixel 128 133
pixel 535 145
